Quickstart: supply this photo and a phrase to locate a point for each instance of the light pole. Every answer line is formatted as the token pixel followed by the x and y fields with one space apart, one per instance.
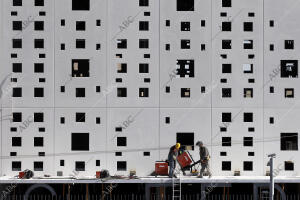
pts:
pixel 270 163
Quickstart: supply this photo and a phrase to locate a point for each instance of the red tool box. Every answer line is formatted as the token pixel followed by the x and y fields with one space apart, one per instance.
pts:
pixel 161 168
pixel 184 160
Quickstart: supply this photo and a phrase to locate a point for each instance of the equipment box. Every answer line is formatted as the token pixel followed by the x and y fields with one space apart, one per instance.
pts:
pixel 184 160
pixel 161 168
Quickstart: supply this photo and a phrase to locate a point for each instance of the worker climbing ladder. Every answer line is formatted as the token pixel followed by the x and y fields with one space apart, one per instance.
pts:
pixel 176 185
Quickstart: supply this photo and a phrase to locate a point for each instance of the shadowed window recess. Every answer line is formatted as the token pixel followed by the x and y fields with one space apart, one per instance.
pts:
pixel 186 140
pixel 80 67
pixel 185 68
pixel 80 142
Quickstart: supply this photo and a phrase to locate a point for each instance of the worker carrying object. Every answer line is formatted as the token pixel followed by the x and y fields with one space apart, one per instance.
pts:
pixel 173 153
pixel 204 159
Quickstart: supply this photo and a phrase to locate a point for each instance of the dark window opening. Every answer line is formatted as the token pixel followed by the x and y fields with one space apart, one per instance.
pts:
pixel 39 3
pixel 185 5
pixel 122 67
pixel 16 165
pixel 289 141
pixel 17 67
pixel 248 26
pixel 80 43
pixel 226 68
pixel 202 23
pixel 17 25
pixel 248 44
pixel 121 165
pixel 226 117
pixel 185 92
pixel 251 129
pixel 121 43
pixel 271 120
pixel 186 140
pixel 39 117
pixel 226 3
pixel 288 166
pixel 13 153
pixel 17 43
pixel 226 165
pixel 62 163
pixel 80 25
pixel 226 92
pixel 143 92
pixel 143 25
pixel 185 26
pixel 38 92
pixel 80 142
pixel 248 93
pixel 226 141
pixel 143 68
pixel 248 117
pixel 144 2
pixel 16 141
pixel 62 120
pixel 289 92
pixel 289 44
pixel 168 89
pixel 143 43
pixel 146 153
pixel 167 22
pixel 289 68
pixel 38 67
pixel 118 153
pixel 79 166
pixel 185 68
pixel 185 44
pixel 98 120
pixel 271 23
pixel 121 92
pixel 17 92
pixel 167 120
pixel 80 67
pixel 118 129
pixel 17 2
pixel 121 141
pixel 80 117
pixel 38 141
pixel 248 141
pixel 80 4
pixel 98 22
pixel 248 165
pixel 271 89
pixel 17 117
pixel 250 153
pixel 226 44
pixel 97 163
pixel 39 25
pixel 226 26
pixel 223 153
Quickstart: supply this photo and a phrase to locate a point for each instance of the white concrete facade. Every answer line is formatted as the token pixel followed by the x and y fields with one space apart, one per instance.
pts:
pixel 245 95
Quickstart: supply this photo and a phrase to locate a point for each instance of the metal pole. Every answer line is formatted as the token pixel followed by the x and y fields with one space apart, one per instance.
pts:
pixel 271 192
pixel 271 179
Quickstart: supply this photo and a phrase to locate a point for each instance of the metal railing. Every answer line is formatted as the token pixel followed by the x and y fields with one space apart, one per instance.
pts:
pixel 142 197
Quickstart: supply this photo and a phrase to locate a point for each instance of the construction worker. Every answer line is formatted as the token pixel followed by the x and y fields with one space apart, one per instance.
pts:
pixel 204 159
pixel 172 159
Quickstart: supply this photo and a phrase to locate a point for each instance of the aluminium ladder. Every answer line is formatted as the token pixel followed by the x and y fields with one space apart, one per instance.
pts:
pixel 176 186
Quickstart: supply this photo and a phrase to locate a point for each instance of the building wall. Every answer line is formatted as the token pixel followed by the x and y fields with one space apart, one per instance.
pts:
pixel 183 83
